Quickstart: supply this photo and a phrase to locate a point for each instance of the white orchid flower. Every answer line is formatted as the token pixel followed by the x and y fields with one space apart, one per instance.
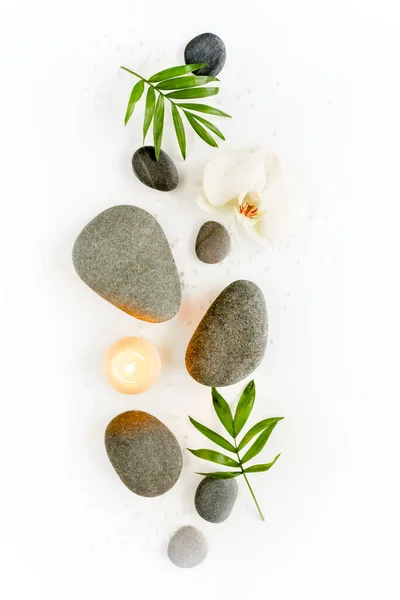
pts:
pixel 259 190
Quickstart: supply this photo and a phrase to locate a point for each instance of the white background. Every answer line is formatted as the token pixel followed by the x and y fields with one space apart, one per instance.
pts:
pixel 316 81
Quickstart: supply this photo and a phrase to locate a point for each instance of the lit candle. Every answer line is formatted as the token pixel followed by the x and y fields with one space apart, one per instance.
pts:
pixel 132 365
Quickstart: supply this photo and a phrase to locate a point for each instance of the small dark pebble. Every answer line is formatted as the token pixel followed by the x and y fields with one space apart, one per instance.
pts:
pixel 206 48
pixel 213 242
pixel 161 175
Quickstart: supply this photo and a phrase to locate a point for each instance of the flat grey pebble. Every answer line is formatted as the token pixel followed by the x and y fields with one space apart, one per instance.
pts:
pixel 187 548
pixel 206 48
pixel 230 341
pixel 144 453
pixel 215 498
pixel 124 256
pixel 161 175
pixel 213 243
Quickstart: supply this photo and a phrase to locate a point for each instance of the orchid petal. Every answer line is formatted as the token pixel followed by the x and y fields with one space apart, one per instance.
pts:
pixel 226 176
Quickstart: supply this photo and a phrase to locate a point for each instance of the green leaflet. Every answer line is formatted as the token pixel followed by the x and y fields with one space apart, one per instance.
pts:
pixel 193 93
pixel 210 126
pixel 179 83
pixel 158 125
pixel 223 411
pixel 204 108
pixel 258 444
pixel 149 111
pixel 213 436
pixel 200 130
pixel 222 474
pixel 257 428
pixel 261 468
pixel 216 457
pixel 244 407
pixel 179 130
pixel 135 96
pixel 175 72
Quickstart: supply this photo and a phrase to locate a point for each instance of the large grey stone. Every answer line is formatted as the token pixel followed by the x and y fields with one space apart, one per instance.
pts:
pixel 188 547
pixel 215 498
pixel 144 453
pixel 213 242
pixel 206 48
pixel 124 256
pixel 160 175
pixel 231 339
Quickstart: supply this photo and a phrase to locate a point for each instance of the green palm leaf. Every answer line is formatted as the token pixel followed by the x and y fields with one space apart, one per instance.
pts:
pixel 208 124
pixel 204 108
pixel 258 444
pixel 223 411
pixel 213 436
pixel 244 407
pixel 179 130
pixel 257 428
pixel 158 125
pixel 222 474
pixel 179 83
pixel 175 72
pixel 216 457
pixel 149 111
pixel 203 133
pixel 261 468
pixel 193 93
pixel 135 96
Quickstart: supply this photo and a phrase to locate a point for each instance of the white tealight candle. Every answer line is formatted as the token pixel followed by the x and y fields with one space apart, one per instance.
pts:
pixel 132 365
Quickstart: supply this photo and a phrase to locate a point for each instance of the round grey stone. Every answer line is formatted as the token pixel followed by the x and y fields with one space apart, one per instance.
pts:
pixel 144 453
pixel 206 48
pixel 124 256
pixel 213 242
pixel 231 339
pixel 188 547
pixel 215 498
pixel 161 175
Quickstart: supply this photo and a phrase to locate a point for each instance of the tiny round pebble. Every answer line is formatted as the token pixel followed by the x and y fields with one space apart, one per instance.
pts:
pixel 187 548
pixel 213 243
pixel 161 175
pixel 206 48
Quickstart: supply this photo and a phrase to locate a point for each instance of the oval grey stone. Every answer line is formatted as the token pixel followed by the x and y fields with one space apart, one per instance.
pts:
pixel 161 175
pixel 144 452
pixel 188 547
pixel 206 48
pixel 213 242
pixel 124 256
pixel 230 341
pixel 215 498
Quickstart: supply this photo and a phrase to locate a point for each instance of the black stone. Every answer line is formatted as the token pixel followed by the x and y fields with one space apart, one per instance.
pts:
pixel 206 48
pixel 161 175
pixel 213 242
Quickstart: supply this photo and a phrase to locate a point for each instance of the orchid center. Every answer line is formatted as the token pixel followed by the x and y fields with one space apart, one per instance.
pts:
pixel 249 205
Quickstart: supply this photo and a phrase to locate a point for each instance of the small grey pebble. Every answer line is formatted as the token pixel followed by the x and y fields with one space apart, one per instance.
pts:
pixel 213 243
pixel 161 175
pixel 215 498
pixel 206 48
pixel 187 548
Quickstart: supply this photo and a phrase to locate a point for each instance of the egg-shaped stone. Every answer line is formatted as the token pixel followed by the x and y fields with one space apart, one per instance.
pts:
pixel 161 174
pixel 144 453
pixel 187 548
pixel 215 498
pixel 231 339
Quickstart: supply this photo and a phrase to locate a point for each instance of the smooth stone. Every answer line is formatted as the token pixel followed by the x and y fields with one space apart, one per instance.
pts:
pixel 206 48
pixel 230 341
pixel 144 452
pixel 215 498
pixel 161 175
pixel 213 242
pixel 124 256
pixel 187 548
